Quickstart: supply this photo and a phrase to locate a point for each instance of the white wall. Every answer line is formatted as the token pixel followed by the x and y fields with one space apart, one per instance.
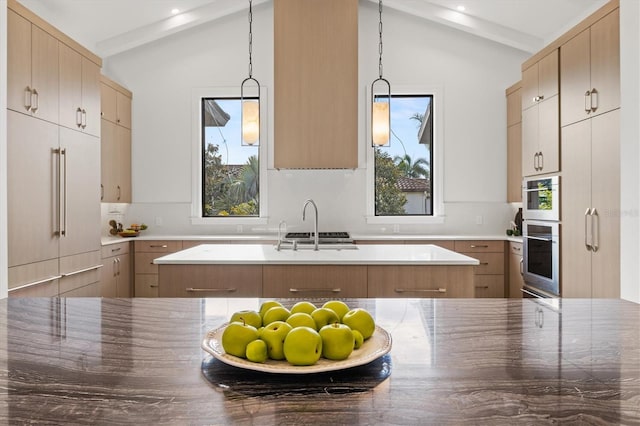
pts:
pixel 472 72
pixel 3 150
pixel 630 149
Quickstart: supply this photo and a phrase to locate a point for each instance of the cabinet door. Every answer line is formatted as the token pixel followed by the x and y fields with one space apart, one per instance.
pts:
pixel 514 163
pixel 530 86
pixel 515 272
pixel 108 103
pixel 605 62
pixel 18 62
pixel 548 76
pixel 91 97
pixel 45 75
pixel 123 164
pixel 32 194
pixel 123 110
pixel 108 161
pixel 529 141
pixel 123 285
pixel 108 276
pixel 576 199
pixel 575 78
pixel 605 198
pixel 70 88
pixel 514 107
pixel 549 136
pixel 81 192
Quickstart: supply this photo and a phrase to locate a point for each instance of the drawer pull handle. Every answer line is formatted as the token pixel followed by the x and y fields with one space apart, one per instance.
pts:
pixel 116 249
pixel 421 290
pixel 312 290
pixel 202 290
pixel 484 263
pixel 157 246
pixel 35 283
pixel 483 287
pixel 153 285
pixel 82 270
pixel 479 246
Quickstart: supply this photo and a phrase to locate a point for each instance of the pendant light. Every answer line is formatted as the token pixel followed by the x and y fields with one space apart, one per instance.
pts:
pixel 380 104
pixel 250 112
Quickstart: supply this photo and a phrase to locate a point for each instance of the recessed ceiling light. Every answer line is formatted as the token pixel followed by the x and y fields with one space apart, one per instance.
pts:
pixel 461 8
pixel 175 11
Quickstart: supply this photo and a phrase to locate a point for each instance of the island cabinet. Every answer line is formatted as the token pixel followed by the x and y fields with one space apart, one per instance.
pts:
pixel 115 280
pixel 432 281
pixel 489 275
pixel 590 70
pixel 210 281
pixel 308 281
pixel 146 272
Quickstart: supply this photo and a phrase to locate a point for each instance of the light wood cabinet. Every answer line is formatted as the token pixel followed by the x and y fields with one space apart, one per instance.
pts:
pixel 316 95
pixel 79 92
pixel 489 274
pixel 146 272
pixel 516 280
pixel 307 281
pixel 210 281
pixel 32 69
pixel 115 142
pixel 540 81
pixel 115 280
pixel 590 230
pixel 590 70
pixel 514 143
pixel 420 281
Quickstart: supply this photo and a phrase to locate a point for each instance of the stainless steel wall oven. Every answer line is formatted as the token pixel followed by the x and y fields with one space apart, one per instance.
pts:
pixel 541 257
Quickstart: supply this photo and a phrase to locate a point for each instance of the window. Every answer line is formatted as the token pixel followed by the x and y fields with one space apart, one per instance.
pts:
pixel 403 170
pixel 227 175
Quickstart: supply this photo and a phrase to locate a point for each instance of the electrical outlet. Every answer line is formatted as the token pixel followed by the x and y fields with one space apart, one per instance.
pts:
pixel 239 229
pixel 479 220
pixel 396 228
pixel 158 221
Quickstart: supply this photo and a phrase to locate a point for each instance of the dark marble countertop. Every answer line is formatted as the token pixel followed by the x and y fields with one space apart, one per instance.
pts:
pixel 453 361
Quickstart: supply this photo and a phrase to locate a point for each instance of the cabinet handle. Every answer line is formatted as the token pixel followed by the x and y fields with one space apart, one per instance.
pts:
pixel 420 290
pixel 484 263
pixel 314 290
pixel 541 157
pixel 118 260
pixel 27 98
pixel 119 192
pixel 540 98
pixel 535 162
pixel 157 246
pixel 35 283
pixel 78 117
pixel 116 250
pixel 117 120
pixel 206 290
pixel 587 213
pixel 521 266
pixel 63 226
pixel 482 287
pixel 153 285
pixel 595 230
pixel 80 271
pixel 587 101
pixel 594 96
pixel 101 192
pixel 35 105
pixel 517 249
pixel 479 246
pixel 113 268
pixel 84 119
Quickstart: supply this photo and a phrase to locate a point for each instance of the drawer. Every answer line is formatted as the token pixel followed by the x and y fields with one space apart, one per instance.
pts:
pixel 310 281
pixel 146 285
pixel 516 248
pixel 420 281
pixel 210 281
pixel 159 246
pixel 490 263
pixel 489 286
pixel 144 263
pixel 115 249
pixel 44 289
pixel 478 246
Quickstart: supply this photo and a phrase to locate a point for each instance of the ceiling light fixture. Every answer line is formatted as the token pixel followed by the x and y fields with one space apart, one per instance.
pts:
pixel 175 11
pixel 381 103
pixel 250 111
pixel 461 8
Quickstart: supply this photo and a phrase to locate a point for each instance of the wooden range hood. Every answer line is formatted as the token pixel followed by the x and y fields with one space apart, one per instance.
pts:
pixel 316 84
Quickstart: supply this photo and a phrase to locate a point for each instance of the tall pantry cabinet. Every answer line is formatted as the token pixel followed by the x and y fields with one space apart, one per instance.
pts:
pixel 590 101
pixel 53 164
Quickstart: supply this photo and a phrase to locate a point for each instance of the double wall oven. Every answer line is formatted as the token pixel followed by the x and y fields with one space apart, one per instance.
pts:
pixel 541 236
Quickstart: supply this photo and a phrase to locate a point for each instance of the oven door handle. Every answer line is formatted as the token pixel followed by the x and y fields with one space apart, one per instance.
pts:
pixel 549 240
pixel 587 214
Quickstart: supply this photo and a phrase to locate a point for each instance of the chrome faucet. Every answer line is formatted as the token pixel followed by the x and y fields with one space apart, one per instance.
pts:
pixel 315 223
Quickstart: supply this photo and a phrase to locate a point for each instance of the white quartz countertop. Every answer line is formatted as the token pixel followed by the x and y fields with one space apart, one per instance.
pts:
pixel 369 254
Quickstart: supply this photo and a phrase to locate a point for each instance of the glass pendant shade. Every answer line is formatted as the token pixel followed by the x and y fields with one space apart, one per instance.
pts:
pixel 250 121
pixel 380 132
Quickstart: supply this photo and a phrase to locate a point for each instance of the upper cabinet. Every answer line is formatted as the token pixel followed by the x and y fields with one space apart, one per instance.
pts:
pixel 540 80
pixel 32 72
pixel 590 70
pixel 316 94
pixel 115 103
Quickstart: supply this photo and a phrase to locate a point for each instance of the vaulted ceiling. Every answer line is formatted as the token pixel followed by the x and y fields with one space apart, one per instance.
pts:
pixel 109 27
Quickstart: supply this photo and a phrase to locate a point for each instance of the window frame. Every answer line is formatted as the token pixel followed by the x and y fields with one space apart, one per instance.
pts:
pixel 196 158
pixel 437 185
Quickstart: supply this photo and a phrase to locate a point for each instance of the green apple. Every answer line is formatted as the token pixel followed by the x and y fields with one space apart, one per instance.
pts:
pixel 337 341
pixel 358 340
pixel 236 336
pixel 337 306
pixel 303 306
pixel 303 346
pixel 324 316
pixel 300 319
pixel 361 320
pixel 274 335
pixel 265 306
pixel 249 317
pixel 277 313
pixel 257 351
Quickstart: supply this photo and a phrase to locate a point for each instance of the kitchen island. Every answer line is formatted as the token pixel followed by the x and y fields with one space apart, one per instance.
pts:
pixel 489 361
pixel 343 270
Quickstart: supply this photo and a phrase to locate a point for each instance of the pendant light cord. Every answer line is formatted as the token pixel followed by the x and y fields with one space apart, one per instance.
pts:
pixel 380 39
pixel 250 38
